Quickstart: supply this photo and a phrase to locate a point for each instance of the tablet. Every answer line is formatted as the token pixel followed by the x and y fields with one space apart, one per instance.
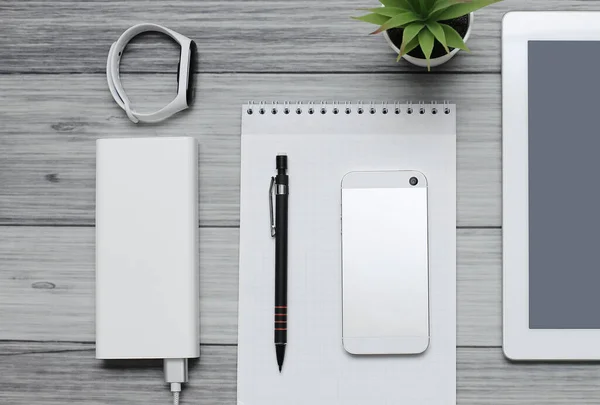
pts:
pixel 551 185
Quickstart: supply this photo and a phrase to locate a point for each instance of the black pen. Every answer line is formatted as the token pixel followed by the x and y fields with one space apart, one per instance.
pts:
pixel 279 230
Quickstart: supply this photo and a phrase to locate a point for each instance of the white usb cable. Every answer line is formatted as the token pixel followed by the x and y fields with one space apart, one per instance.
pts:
pixel 176 373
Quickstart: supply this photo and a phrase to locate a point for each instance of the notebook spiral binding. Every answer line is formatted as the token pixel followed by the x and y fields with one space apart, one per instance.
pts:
pixel 347 108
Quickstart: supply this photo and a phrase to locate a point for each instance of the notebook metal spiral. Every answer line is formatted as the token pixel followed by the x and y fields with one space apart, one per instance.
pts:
pixel 347 108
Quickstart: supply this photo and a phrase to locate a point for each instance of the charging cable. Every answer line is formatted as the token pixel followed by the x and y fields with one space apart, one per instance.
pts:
pixel 176 373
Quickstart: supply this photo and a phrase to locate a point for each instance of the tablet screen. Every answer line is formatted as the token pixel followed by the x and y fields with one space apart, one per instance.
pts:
pixel 564 184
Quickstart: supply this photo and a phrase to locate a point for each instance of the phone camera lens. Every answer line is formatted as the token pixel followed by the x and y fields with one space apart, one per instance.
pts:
pixel 413 181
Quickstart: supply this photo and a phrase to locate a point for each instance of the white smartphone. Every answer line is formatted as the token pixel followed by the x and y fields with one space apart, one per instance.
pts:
pixel 385 263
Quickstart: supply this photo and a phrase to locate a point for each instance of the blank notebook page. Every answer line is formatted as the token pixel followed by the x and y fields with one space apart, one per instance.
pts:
pixel 321 148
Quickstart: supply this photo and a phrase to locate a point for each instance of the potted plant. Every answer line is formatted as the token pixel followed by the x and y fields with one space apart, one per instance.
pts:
pixel 425 32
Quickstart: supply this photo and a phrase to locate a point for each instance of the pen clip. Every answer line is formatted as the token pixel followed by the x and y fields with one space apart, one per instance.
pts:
pixel 271 217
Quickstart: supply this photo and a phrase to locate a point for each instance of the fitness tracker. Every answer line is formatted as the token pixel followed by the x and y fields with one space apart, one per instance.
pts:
pixel 185 74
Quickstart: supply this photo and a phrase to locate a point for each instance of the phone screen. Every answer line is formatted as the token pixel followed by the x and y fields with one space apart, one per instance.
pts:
pixel 385 263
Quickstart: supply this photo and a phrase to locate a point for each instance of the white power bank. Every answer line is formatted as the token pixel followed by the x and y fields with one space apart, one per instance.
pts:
pixel 147 276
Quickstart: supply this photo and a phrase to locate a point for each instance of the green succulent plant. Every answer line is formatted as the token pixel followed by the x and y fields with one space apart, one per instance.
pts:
pixel 422 22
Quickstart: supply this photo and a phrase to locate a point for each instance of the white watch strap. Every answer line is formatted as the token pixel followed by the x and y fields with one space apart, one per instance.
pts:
pixel 114 80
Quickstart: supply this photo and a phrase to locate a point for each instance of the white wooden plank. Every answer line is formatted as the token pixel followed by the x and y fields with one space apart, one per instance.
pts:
pixel 484 376
pixel 479 288
pixel 19 347
pixel 232 36
pixel 57 377
pixel 47 282
pixel 50 124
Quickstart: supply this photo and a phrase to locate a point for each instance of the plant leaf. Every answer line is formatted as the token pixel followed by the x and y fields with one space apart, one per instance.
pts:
pixel 373 18
pixel 405 4
pixel 409 47
pixel 426 39
pixel 438 32
pixel 453 38
pixel 416 5
pixel 458 10
pixel 439 7
pixel 411 32
pixel 423 6
pixel 429 5
pixel 387 11
pixel 398 21
pixel 442 5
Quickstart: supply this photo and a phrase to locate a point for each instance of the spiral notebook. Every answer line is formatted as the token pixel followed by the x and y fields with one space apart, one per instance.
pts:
pixel 323 142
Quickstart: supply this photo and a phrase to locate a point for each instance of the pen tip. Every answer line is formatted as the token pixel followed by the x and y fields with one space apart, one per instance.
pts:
pixel 280 354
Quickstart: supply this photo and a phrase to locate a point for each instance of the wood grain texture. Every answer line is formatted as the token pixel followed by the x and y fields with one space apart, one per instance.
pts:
pixel 47 285
pixel 47 280
pixel 233 36
pixel 54 104
pixel 19 347
pixel 61 376
pixel 50 124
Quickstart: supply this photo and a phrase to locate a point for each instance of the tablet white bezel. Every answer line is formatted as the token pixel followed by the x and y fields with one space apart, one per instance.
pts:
pixel 520 342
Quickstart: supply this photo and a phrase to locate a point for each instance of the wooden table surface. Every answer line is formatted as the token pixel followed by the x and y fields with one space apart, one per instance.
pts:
pixel 54 104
